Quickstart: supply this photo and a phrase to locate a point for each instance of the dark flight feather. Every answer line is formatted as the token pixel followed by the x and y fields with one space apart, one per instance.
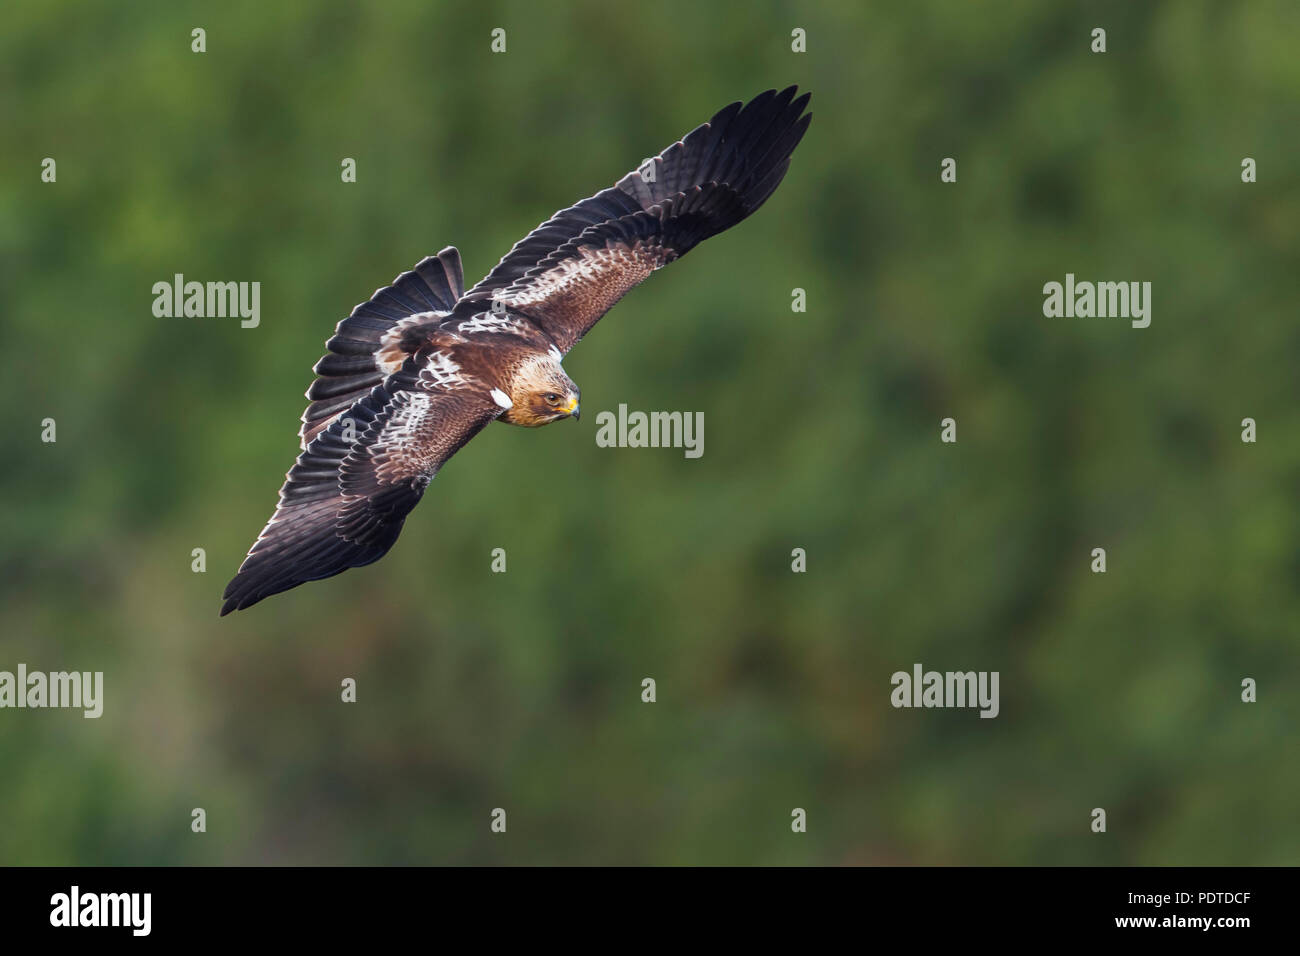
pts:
pixel 344 502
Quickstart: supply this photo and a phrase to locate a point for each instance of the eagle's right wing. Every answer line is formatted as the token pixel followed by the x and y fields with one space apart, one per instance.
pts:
pixel 344 502
pixel 571 269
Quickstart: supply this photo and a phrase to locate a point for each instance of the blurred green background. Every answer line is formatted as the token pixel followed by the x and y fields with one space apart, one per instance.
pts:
pixel 522 690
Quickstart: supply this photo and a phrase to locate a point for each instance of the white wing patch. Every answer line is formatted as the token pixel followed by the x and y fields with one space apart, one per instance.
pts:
pixel 442 372
pixel 501 398
pixel 490 322
pixel 398 445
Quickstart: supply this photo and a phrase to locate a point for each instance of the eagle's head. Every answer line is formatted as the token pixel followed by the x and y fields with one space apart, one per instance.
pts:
pixel 541 392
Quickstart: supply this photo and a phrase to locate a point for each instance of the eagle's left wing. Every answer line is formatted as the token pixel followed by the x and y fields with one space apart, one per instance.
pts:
pixel 570 270
pixel 344 502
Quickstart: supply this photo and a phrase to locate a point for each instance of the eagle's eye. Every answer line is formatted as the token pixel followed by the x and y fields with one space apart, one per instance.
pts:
pixel 551 398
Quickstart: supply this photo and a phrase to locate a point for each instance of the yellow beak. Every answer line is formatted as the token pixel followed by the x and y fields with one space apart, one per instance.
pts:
pixel 573 408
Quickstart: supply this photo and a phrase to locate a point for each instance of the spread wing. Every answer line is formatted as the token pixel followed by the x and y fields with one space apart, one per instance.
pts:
pixel 366 346
pixel 570 270
pixel 343 504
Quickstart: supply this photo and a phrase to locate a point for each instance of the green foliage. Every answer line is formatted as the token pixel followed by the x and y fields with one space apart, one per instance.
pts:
pixel 522 690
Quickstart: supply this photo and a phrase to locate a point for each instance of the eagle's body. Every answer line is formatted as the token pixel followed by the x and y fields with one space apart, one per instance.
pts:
pixel 419 369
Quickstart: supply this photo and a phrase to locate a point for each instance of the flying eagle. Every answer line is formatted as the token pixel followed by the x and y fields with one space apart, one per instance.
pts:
pixel 418 370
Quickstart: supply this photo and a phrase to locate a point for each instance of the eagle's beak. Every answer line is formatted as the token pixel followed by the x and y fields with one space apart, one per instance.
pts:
pixel 573 410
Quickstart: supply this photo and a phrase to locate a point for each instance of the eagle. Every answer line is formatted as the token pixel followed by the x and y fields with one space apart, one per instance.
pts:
pixel 423 366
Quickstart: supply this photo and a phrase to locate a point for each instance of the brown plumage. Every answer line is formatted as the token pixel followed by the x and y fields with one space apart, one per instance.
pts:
pixel 422 366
